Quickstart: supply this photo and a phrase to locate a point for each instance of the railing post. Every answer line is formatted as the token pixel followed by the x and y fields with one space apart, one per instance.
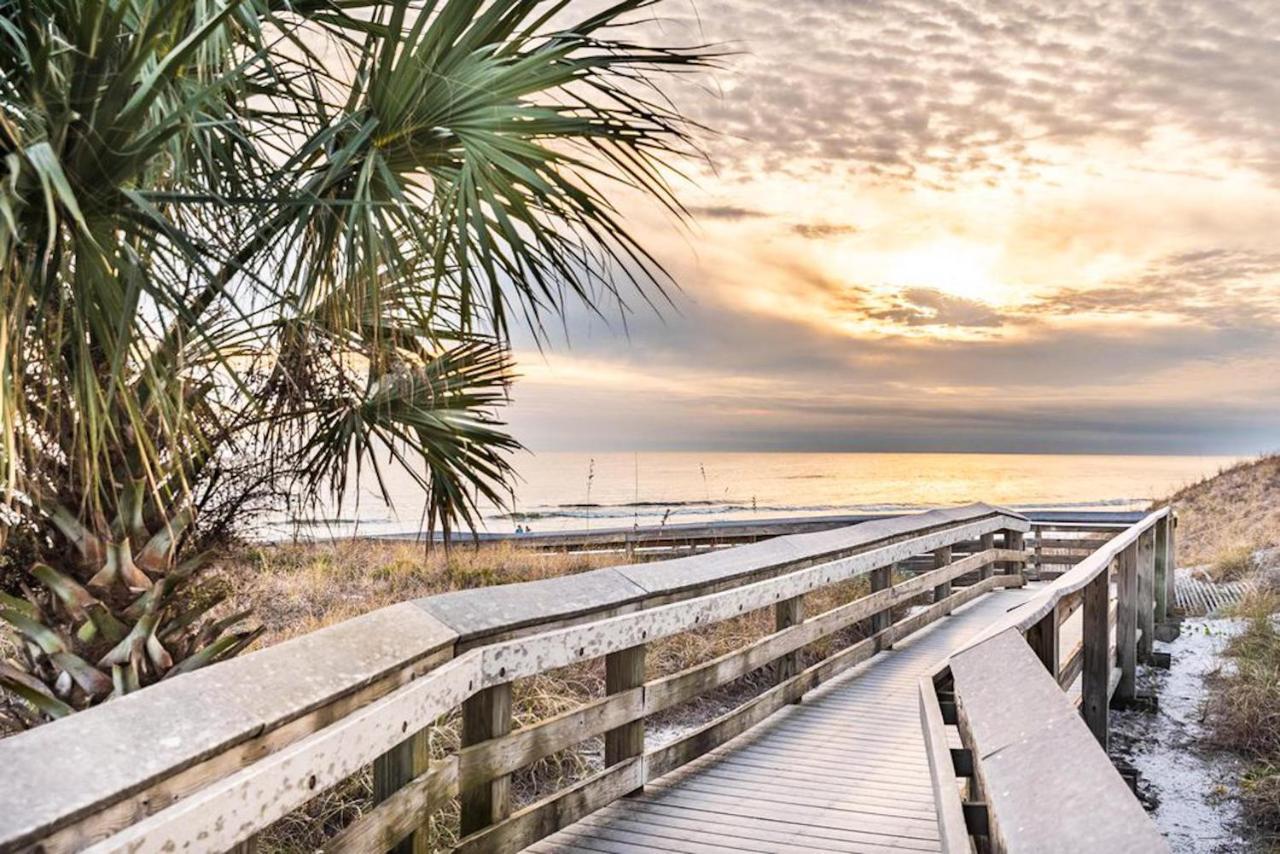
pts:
pixel 1096 637
pixel 1162 570
pixel 486 715
pixel 882 579
pixel 941 558
pixel 1146 594
pixel 1127 623
pixel 1013 540
pixel 1043 640
pixel 1037 531
pixel 624 670
pixel 1171 561
pixel 786 614
pixel 988 543
pixel 391 771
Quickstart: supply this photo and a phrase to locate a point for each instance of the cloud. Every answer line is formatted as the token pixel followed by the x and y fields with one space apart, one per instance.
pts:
pixel 822 230
pixel 1221 287
pixel 922 90
pixel 930 307
pixel 727 212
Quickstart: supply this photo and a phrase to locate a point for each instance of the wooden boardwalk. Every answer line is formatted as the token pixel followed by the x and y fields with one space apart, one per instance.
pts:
pixel 996 682
pixel 846 770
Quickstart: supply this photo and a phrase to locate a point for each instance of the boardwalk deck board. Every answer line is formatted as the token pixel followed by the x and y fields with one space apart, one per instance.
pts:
pixel 846 770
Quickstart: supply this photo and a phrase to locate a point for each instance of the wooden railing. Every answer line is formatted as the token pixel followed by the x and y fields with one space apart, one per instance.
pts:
pixel 1030 698
pixel 695 536
pixel 208 760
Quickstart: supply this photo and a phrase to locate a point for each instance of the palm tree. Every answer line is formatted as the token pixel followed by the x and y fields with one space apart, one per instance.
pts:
pixel 285 237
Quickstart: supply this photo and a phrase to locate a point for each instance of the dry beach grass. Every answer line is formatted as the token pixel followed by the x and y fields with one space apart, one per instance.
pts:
pixel 1237 509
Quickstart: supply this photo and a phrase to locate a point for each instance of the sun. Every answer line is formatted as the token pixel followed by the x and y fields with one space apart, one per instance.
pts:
pixel 957 267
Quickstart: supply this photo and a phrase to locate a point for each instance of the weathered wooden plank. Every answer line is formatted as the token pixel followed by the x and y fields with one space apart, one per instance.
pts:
pixel 669 832
pixel 485 716
pixel 832 799
pixel 485 613
pixel 881 579
pixel 842 787
pixel 1043 639
pixel 1161 557
pixel 824 838
pixel 1013 540
pixel 788 613
pixel 402 812
pixel 481 762
pixel 941 557
pixel 393 770
pixel 229 810
pixel 1127 621
pixel 560 647
pixel 739 833
pixel 1146 595
pixel 674 577
pixel 952 832
pixel 624 672
pixel 1086 544
pixel 1023 731
pixel 1096 658
pixel 733 803
pixel 543 818
pixel 266 701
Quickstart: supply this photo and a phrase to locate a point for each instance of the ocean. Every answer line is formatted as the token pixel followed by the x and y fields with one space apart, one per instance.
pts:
pixel 568 491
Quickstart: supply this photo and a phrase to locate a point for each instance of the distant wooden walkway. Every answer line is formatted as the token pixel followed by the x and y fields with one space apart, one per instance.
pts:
pixel 846 770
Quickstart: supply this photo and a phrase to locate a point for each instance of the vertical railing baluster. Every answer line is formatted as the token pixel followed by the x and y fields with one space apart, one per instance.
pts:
pixel 1171 563
pixel 1162 569
pixel 1037 531
pixel 882 579
pixel 1096 637
pixel 486 715
pixel 1146 594
pixel 623 671
pixel 941 558
pixel 1013 541
pixel 1127 623
pixel 786 614
pixel 1043 639
pixel 391 771
pixel 988 543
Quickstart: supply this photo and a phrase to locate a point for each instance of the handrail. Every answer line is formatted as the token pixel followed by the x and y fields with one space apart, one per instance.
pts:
pixel 1019 727
pixel 303 716
pixel 1027 615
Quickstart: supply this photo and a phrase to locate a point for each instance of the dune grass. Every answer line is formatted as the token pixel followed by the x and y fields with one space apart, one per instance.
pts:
pixel 1239 508
pixel 1243 711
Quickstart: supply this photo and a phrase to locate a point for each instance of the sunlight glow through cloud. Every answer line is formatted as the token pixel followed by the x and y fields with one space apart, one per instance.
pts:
pixel 1064 214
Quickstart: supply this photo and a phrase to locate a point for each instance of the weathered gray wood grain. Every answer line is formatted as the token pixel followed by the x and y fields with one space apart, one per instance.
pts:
pixel 139 740
pixel 1023 731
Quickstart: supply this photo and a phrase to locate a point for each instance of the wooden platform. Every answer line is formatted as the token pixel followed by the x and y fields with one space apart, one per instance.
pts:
pixel 844 771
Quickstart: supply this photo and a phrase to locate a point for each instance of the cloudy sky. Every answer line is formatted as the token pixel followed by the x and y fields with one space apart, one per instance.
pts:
pixel 955 226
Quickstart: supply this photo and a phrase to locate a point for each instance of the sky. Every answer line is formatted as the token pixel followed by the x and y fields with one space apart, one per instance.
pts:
pixel 952 226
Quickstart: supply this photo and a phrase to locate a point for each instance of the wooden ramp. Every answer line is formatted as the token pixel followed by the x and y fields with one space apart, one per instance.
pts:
pixel 846 770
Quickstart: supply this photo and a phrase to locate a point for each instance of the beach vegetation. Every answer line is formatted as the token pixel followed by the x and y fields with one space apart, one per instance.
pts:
pixel 254 250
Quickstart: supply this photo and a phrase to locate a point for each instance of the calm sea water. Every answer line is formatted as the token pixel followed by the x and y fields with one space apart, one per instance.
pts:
pixel 579 490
